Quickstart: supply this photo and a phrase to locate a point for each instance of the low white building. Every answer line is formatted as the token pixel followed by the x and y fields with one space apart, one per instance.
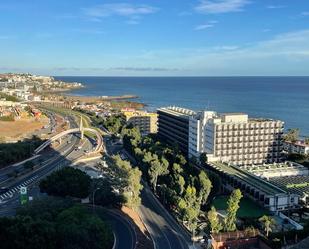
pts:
pixel 299 147
pixel 287 169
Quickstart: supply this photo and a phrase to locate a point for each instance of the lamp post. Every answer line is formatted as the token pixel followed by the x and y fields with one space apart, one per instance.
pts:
pixel 93 194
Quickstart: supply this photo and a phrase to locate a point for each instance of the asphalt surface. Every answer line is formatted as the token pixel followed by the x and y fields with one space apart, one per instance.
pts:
pixel 165 232
pixel 162 228
pixel 124 233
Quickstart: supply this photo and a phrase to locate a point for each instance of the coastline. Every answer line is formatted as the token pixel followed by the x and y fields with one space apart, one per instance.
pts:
pixel 119 101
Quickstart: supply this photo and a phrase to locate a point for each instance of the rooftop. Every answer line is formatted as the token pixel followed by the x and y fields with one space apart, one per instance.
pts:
pixel 258 183
pixel 299 143
pixel 293 184
pixel 178 111
pixel 273 167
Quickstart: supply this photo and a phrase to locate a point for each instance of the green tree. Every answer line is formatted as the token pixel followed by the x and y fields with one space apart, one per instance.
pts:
pixel 307 140
pixel 157 168
pixel 204 187
pixel 134 188
pixel 267 222
pixel 232 208
pixel 129 181
pixel 78 229
pixel 177 169
pixel 67 182
pixel 180 159
pixel 292 135
pixel 215 224
pixel 54 223
pixel 179 183
pixel 189 208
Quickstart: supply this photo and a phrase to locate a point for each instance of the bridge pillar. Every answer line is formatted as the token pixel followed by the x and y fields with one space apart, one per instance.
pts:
pixel 81 128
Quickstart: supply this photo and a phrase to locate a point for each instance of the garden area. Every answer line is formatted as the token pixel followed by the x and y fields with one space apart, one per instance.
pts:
pixel 248 208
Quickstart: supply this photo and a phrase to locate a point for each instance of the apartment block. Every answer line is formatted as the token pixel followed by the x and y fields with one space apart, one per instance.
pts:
pixel 298 147
pixel 235 138
pixel 145 121
pixel 173 126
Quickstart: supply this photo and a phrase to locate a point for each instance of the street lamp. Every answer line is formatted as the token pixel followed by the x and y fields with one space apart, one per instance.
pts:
pixel 93 194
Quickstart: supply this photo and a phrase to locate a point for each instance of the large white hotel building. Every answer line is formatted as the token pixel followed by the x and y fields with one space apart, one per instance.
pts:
pixel 232 137
pixel 235 138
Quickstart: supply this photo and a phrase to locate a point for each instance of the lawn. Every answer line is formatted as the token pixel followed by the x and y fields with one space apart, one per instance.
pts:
pixel 248 208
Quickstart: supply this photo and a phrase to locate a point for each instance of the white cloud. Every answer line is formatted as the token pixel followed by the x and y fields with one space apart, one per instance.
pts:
pixel 275 6
pixel 284 54
pixel 207 25
pixel 119 9
pixel 221 6
pixel 203 26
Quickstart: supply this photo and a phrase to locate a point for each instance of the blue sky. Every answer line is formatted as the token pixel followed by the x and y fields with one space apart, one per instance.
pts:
pixel 155 37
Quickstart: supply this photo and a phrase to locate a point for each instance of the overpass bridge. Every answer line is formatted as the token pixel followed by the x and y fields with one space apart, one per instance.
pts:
pixel 80 130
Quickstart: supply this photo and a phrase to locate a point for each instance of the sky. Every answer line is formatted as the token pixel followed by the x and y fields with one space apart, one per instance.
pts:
pixel 155 37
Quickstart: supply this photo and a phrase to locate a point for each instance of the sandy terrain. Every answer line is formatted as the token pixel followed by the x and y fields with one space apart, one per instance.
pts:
pixel 21 128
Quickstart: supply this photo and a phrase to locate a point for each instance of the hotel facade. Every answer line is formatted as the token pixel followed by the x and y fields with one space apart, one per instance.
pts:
pixel 173 126
pixel 230 137
pixel 234 138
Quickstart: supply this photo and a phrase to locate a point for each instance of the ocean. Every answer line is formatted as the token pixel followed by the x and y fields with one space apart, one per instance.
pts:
pixel 284 98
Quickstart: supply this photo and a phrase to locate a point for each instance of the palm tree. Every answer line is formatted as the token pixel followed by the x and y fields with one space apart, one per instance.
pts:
pixel 268 222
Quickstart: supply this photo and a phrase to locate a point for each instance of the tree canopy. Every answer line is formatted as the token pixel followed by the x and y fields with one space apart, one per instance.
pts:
pixel 15 152
pixel 232 208
pixel 52 223
pixel 129 181
pixel 215 225
pixel 67 182
pixel 292 135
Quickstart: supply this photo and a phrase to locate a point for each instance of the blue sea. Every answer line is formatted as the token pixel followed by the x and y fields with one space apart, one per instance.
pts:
pixel 284 98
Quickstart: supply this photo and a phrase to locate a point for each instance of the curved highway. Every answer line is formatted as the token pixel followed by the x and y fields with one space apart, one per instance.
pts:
pixel 164 231
pixel 123 230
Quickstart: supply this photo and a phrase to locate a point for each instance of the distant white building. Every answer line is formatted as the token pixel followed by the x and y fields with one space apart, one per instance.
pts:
pixel 299 147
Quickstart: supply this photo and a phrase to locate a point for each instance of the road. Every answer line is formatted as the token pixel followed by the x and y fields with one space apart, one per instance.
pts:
pixel 63 155
pixel 124 233
pixel 165 232
pixel 60 157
